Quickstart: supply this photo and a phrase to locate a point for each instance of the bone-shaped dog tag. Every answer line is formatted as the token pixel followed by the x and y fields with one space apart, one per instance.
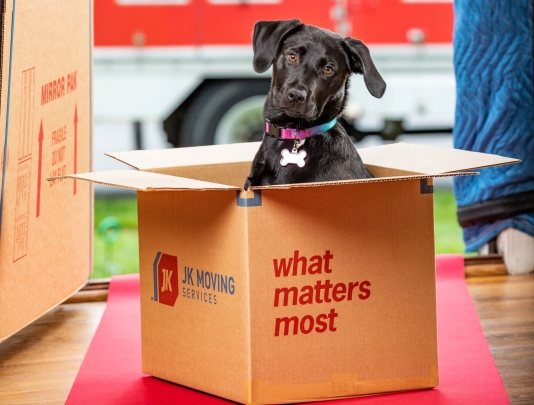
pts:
pixel 293 158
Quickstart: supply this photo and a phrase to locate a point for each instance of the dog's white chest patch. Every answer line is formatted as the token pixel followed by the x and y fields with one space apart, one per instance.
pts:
pixel 293 158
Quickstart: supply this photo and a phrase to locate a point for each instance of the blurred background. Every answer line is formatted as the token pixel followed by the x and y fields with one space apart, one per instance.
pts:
pixel 172 73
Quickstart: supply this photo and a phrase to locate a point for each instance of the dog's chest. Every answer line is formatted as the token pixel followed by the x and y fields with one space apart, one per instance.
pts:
pixel 293 165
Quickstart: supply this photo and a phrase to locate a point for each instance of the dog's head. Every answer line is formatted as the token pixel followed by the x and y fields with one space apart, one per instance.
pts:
pixel 311 67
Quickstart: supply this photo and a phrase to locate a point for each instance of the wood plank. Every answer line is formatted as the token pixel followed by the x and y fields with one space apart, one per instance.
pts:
pixel 97 284
pixel 39 364
pixel 484 266
pixel 483 259
pixel 486 270
pixel 88 296
pixel 505 305
pixel 96 290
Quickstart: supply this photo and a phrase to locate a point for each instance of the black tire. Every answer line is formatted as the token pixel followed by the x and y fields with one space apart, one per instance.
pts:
pixel 206 110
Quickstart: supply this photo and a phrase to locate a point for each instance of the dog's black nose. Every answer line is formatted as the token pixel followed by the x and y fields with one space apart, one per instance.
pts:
pixel 296 96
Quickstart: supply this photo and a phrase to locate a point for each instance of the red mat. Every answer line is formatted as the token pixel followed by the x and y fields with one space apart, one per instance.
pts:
pixel 111 371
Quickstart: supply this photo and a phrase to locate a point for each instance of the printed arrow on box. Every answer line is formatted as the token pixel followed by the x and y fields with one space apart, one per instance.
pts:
pixel 41 138
pixel 75 140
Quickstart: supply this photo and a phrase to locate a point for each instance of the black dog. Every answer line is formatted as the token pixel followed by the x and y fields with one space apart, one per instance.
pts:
pixel 311 67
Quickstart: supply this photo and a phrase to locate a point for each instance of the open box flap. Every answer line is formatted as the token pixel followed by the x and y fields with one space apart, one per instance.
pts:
pixel 192 156
pixel 144 181
pixel 372 180
pixel 429 160
pixel 405 157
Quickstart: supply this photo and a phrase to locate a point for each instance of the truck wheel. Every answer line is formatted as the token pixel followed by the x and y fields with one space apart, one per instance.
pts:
pixel 225 112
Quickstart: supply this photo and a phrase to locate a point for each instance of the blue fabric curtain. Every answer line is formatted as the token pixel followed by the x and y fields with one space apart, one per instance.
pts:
pixel 493 61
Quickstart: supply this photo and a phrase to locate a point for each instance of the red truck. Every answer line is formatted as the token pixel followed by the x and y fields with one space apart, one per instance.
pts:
pixel 188 64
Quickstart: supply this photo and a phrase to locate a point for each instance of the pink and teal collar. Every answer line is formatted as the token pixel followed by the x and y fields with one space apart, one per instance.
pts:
pixel 291 133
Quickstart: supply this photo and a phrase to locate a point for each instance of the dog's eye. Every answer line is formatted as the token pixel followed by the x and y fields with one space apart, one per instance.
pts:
pixel 327 70
pixel 292 57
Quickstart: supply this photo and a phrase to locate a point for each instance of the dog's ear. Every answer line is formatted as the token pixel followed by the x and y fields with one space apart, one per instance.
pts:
pixel 268 36
pixel 362 63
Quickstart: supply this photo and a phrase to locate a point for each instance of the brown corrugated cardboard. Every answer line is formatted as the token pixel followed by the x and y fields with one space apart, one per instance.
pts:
pixel 401 156
pixel 290 293
pixel 429 159
pixel 45 121
pixel 225 164
pixel 148 181
pixel 150 160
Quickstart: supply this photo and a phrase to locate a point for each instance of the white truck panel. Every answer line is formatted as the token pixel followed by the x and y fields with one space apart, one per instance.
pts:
pixel 148 84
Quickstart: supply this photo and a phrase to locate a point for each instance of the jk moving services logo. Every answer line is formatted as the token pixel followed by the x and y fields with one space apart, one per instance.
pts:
pixel 165 276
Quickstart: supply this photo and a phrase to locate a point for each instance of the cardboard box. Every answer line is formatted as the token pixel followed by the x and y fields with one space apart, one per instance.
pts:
pixel 289 293
pixel 45 130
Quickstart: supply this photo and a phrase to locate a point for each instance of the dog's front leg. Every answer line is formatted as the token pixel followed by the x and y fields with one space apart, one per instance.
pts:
pixel 259 170
pixel 256 174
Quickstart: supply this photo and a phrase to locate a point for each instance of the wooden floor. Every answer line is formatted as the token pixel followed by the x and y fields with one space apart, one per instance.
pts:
pixel 38 365
pixel 505 306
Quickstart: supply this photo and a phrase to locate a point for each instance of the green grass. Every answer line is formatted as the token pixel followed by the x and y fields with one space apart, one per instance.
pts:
pixel 447 231
pixel 122 256
pixel 124 208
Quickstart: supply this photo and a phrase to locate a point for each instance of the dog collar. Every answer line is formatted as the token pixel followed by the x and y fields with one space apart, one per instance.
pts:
pixel 292 133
